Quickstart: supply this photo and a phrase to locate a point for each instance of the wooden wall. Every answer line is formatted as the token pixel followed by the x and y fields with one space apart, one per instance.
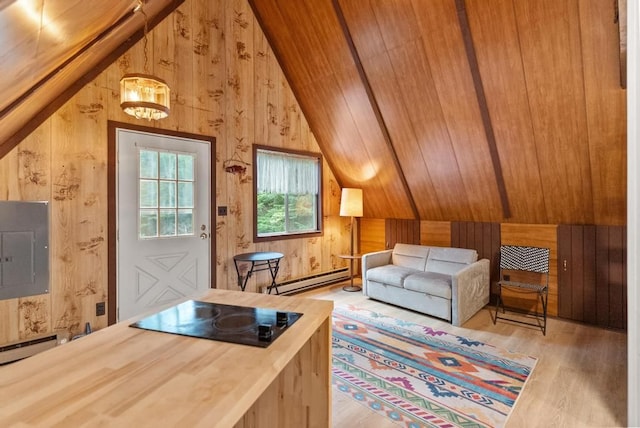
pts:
pixel 225 82
pixel 485 239
pixel 372 235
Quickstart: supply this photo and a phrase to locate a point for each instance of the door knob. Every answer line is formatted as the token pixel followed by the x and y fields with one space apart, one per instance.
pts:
pixel 203 235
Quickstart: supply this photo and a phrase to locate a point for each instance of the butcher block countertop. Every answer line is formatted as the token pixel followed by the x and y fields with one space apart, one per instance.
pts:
pixel 124 376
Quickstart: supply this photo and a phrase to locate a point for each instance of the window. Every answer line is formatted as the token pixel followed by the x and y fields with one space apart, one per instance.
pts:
pixel 166 194
pixel 287 193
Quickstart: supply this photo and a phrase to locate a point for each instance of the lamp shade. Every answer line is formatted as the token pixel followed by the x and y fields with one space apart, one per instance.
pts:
pixel 351 203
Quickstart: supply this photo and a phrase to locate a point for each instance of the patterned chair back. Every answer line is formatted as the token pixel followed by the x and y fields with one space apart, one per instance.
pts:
pixel 531 259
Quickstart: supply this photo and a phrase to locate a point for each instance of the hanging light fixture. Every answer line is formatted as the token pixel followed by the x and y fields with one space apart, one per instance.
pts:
pixel 143 95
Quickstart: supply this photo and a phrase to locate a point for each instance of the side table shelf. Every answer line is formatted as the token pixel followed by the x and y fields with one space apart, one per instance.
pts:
pixel 352 258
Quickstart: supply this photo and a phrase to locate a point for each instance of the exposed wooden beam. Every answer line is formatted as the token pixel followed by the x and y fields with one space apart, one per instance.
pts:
pixel 482 103
pixel 621 20
pixel 375 106
pixel 5 3
pixel 49 109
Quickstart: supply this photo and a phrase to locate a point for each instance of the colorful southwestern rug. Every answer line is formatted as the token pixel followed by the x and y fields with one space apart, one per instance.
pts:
pixel 421 377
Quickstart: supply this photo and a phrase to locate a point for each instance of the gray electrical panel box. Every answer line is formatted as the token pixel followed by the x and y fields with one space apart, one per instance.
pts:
pixel 24 249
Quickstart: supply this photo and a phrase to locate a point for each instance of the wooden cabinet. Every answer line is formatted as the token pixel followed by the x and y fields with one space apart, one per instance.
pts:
pixel 592 274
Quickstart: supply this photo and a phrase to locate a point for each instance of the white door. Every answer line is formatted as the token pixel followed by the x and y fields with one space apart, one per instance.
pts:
pixel 163 246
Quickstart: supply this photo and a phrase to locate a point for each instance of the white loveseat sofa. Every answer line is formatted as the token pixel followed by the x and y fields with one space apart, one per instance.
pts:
pixel 444 282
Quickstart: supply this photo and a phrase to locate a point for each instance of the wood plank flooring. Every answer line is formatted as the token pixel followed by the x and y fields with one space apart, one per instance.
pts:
pixel 580 379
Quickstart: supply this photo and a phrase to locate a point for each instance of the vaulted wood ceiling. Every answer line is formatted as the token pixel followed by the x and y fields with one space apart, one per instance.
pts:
pixel 471 110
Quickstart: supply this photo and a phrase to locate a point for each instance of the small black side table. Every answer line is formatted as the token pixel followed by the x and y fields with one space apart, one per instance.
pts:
pixel 259 261
pixel 351 259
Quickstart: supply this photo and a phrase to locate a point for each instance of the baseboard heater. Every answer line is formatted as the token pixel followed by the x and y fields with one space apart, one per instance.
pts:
pixel 18 350
pixel 309 282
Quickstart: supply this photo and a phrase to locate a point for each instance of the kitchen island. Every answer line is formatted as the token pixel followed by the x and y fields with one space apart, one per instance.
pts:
pixel 124 376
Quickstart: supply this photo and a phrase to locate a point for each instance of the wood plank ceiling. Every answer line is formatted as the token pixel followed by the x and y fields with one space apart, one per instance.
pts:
pixel 51 48
pixel 460 110
pixel 524 123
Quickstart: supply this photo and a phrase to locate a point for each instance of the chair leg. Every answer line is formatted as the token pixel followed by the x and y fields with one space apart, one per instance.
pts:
pixel 498 303
pixel 544 298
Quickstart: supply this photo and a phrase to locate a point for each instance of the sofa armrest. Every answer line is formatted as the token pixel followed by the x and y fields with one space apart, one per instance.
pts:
pixel 470 288
pixel 371 260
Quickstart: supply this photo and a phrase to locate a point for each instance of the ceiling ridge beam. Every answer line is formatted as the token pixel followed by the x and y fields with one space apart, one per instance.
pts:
pixel 472 59
pixel 374 105
pixel 620 18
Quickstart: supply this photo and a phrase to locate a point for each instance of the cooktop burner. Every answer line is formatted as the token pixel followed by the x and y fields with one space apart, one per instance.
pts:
pixel 215 321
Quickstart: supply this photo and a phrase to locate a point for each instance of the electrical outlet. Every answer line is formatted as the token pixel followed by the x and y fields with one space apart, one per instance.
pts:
pixel 222 211
pixel 100 309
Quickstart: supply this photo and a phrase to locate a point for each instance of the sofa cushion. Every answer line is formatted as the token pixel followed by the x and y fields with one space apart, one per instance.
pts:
pixel 411 256
pixel 433 283
pixel 389 274
pixel 450 260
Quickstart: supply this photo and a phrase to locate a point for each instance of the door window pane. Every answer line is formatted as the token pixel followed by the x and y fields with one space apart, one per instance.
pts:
pixel 148 223
pixel 167 224
pixel 148 194
pixel 167 194
pixel 148 164
pixel 168 165
pixel 185 167
pixel 185 194
pixel 185 222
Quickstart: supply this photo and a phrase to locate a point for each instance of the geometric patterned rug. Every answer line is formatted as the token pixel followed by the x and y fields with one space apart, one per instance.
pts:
pixel 420 377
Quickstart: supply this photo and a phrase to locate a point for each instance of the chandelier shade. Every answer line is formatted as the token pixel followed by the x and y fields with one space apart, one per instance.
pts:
pixel 144 96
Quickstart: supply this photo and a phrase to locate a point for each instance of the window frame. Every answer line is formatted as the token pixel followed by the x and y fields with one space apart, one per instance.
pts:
pixel 287 235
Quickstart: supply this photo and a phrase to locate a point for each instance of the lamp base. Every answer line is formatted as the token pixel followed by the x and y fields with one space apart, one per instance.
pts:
pixel 352 288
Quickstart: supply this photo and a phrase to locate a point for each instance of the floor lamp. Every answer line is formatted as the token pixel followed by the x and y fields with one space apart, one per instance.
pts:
pixel 351 206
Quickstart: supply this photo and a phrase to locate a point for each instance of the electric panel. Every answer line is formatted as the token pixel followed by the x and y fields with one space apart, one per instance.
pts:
pixel 24 249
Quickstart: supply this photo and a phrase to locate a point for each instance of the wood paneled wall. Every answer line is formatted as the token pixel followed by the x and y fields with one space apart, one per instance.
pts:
pixel 482 237
pixel 372 235
pixel 592 274
pixel 401 230
pixel 225 82
pixel 437 233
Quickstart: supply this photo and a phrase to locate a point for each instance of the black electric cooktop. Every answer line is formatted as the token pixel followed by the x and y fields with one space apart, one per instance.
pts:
pixel 226 323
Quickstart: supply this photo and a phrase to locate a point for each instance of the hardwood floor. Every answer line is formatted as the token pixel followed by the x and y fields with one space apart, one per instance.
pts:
pixel 580 379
